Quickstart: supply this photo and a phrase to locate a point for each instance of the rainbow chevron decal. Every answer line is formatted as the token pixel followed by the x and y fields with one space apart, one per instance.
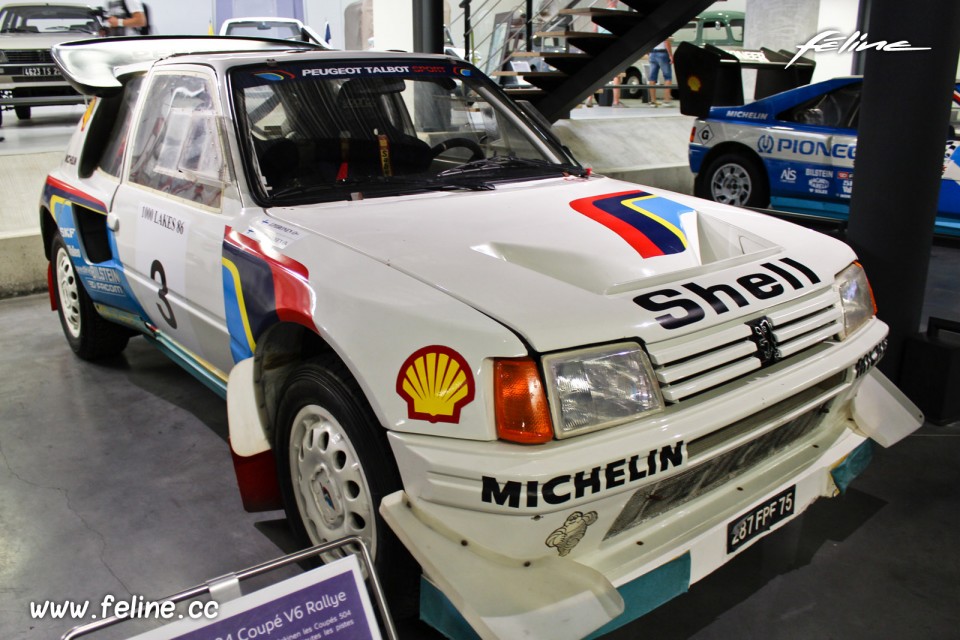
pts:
pixel 650 224
pixel 260 288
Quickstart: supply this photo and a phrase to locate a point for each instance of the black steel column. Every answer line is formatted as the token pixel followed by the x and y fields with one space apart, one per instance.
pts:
pixel 529 25
pixel 428 26
pixel 467 28
pixel 903 128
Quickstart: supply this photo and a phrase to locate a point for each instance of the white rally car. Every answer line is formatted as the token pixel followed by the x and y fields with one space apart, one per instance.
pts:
pixel 565 397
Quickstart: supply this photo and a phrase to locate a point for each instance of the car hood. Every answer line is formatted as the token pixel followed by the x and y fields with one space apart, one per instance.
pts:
pixel 563 261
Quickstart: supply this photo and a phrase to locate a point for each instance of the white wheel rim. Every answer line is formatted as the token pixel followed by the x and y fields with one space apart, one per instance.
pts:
pixel 731 184
pixel 69 293
pixel 331 490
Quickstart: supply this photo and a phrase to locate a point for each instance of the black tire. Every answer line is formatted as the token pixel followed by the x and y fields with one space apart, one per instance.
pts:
pixel 734 178
pixel 23 112
pixel 631 86
pixel 89 335
pixel 326 428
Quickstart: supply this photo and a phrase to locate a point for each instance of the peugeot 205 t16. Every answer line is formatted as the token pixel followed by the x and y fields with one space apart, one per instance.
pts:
pixel 530 390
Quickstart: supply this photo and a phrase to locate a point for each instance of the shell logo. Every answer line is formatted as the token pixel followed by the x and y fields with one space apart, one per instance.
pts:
pixel 693 82
pixel 437 383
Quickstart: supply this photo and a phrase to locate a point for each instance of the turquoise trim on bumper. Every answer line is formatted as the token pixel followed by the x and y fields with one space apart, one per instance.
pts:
pixel 641 596
pixel 649 591
pixel 438 612
pixel 852 466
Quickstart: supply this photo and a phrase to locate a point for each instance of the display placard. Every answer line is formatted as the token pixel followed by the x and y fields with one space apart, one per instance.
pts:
pixel 329 602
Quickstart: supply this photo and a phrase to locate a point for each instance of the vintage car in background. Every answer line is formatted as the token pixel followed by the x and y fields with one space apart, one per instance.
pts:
pixel 271 27
pixel 722 29
pixel 28 76
pixel 794 151
pixel 532 391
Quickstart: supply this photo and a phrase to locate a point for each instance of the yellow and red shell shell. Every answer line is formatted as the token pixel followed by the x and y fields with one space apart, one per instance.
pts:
pixel 437 383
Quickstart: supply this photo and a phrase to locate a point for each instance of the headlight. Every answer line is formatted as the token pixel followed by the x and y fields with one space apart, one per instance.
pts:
pixel 600 387
pixel 856 298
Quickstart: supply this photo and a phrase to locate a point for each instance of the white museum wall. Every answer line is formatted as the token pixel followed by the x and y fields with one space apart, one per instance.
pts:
pixel 835 15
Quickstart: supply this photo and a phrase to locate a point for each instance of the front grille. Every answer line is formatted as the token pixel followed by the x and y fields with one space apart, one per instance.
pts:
pixel 29 56
pixel 653 500
pixel 692 364
pixel 33 79
pixel 44 92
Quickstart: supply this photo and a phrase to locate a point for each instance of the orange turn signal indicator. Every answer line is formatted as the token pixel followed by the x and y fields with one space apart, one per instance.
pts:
pixel 873 299
pixel 520 402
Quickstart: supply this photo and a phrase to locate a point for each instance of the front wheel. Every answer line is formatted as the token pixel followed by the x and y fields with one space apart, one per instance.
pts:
pixel 89 335
pixel 23 112
pixel 631 86
pixel 335 467
pixel 735 179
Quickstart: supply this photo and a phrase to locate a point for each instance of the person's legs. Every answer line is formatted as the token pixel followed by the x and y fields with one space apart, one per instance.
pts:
pixel 652 79
pixel 667 79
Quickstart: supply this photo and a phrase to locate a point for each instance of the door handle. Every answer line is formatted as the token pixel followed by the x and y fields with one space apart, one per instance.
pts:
pixel 113 221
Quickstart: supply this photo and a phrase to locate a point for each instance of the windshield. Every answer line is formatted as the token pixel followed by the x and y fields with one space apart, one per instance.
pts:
pixel 48 19
pixel 265 29
pixel 328 130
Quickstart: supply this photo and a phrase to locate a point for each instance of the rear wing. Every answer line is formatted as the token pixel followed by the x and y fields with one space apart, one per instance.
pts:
pixel 709 76
pixel 90 65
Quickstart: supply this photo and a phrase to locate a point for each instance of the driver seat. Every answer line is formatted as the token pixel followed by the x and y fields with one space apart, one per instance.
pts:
pixel 372 142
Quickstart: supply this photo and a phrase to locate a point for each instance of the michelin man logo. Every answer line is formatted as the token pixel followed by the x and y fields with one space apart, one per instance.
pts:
pixel 571 533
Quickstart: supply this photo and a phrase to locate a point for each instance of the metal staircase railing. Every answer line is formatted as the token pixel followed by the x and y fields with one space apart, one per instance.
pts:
pixel 597 44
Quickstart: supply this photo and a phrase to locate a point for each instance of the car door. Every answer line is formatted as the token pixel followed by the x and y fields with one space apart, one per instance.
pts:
pixel 812 153
pixel 172 210
pixel 949 204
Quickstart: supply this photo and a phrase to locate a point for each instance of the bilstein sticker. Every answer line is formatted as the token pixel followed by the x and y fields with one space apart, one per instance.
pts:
pixel 437 383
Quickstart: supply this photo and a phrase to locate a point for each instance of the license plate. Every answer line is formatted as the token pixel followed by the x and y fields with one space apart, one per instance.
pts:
pixel 40 71
pixel 760 519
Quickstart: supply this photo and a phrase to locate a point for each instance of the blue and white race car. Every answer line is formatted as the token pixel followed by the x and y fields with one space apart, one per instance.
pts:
pixel 795 151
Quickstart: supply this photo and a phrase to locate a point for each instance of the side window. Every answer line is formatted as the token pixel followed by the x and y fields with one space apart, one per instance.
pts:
pixel 178 149
pixel 839 108
pixel 111 160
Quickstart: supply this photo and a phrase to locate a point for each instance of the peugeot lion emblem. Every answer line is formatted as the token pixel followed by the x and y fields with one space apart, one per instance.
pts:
pixel 762 335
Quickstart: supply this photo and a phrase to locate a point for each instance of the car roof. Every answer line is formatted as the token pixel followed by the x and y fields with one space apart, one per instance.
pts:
pixel 91 66
pixel 263 19
pixel 62 3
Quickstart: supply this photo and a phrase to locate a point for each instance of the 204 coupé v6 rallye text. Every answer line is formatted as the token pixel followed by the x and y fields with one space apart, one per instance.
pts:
pixel 437 331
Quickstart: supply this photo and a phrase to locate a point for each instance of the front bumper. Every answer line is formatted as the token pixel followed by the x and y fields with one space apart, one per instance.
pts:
pixel 17 89
pixel 515 563
pixel 40 96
